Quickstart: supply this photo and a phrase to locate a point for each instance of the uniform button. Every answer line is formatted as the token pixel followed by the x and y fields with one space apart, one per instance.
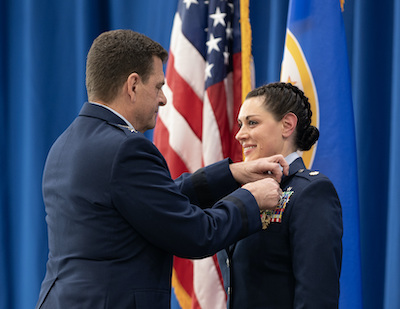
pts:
pixel 228 263
pixel 229 290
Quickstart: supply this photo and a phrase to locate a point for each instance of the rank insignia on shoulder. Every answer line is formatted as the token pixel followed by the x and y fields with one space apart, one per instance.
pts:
pixel 278 212
pixel 314 173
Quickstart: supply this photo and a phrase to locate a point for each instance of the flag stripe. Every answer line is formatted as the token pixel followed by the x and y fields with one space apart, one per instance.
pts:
pixel 216 94
pixel 212 149
pixel 212 294
pixel 176 165
pixel 180 134
pixel 186 102
pixel 191 65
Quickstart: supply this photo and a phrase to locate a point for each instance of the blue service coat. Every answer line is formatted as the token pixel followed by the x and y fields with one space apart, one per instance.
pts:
pixel 116 218
pixel 295 263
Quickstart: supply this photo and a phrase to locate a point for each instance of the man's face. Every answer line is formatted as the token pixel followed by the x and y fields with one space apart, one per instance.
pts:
pixel 149 96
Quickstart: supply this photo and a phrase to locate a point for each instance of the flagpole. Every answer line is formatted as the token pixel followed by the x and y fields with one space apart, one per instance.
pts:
pixel 245 30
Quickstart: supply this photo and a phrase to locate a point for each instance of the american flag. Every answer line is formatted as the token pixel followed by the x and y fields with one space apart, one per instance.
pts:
pixel 198 125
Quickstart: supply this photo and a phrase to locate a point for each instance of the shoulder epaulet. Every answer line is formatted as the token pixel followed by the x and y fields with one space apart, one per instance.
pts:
pixel 305 173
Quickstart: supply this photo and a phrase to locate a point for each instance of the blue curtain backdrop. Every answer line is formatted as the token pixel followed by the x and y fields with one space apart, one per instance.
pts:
pixel 43 46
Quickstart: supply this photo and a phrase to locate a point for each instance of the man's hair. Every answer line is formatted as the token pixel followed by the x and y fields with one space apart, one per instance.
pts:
pixel 113 56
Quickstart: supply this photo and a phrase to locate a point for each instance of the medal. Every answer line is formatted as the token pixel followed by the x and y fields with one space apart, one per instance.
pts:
pixel 265 216
pixel 268 216
pixel 278 212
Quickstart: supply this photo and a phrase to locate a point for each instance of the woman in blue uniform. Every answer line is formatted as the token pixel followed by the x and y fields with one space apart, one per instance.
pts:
pixel 295 261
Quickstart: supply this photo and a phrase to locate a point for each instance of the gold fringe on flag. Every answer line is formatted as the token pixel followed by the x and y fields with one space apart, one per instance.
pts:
pixel 245 30
pixel 184 299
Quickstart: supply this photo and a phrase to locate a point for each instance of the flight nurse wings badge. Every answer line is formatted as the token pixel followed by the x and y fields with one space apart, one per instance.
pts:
pixel 278 212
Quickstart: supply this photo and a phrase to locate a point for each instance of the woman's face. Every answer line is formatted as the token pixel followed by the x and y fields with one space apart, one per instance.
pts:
pixel 260 134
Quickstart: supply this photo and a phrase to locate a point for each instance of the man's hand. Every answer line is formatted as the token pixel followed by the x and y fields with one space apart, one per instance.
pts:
pixel 266 192
pixel 250 171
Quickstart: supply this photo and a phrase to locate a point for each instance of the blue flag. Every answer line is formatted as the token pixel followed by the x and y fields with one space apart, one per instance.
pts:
pixel 392 272
pixel 315 60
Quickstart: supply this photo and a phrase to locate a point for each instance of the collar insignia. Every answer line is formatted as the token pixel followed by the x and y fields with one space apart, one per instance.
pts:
pixel 127 127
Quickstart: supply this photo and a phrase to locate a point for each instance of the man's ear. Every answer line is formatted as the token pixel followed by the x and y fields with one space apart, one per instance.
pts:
pixel 289 123
pixel 131 84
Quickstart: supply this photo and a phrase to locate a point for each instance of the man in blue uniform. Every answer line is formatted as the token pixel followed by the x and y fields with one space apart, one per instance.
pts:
pixel 115 217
